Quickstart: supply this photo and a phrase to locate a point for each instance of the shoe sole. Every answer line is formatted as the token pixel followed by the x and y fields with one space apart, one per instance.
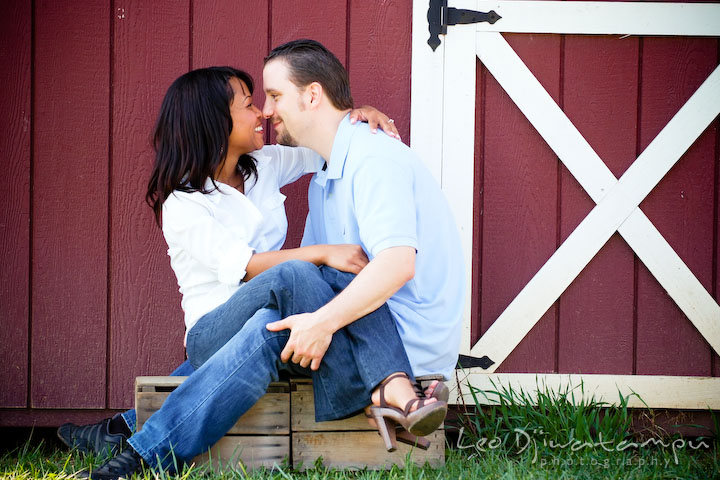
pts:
pixel 429 423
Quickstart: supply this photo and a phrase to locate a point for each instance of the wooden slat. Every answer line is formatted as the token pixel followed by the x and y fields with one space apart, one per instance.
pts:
pixel 358 450
pixel 269 416
pixel 325 22
pixel 681 207
pixel 254 452
pixel 383 78
pixel 636 18
pixel 15 38
pixel 302 402
pixel 520 203
pixel 654 391
pixel 217 40
pixel 600 98
pixel 457 144
pixel 426 94
pixel 70 204
pixel 150 50
pixel 302 416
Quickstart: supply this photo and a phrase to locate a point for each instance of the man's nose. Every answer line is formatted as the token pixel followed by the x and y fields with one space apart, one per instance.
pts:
pixel 267 110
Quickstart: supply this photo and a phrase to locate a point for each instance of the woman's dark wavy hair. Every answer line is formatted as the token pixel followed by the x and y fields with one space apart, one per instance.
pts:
pixel 191 134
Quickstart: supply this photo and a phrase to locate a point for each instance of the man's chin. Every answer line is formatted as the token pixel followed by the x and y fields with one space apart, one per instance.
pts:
pixel 286 139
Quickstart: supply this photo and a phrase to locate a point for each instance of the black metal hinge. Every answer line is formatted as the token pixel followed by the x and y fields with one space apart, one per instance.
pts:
pixel 440 16
pixel 466 361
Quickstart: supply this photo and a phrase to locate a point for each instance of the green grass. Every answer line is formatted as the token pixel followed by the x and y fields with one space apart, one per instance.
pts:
pixel 562 437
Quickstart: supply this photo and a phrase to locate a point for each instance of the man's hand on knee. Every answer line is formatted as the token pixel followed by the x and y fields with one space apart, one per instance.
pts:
pixel 309 339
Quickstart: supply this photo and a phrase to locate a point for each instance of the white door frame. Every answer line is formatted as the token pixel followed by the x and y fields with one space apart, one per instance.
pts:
pixel 446 144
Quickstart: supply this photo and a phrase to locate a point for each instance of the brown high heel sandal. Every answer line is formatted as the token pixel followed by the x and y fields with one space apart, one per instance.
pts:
pixel 403 436
pixel 441 392
pixel 423 421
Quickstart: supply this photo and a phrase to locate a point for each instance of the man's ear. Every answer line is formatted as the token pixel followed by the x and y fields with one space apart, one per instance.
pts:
pixel 315 92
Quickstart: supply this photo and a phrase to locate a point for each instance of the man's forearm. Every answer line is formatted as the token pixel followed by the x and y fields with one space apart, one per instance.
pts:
pixel 373 286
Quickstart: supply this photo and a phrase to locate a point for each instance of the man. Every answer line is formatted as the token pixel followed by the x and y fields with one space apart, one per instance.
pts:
pixel 415 266
pixel 374 192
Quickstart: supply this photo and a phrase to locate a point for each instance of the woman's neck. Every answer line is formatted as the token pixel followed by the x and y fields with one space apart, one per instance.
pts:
pixel 229 175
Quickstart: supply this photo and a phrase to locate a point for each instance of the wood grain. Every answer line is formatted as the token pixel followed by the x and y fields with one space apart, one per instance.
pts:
pixel 519 203
pixel 600 98
pixel 681 206
pixel 302 416
pixel 70 204
pixel 15 78
pixel 640 391
pixel 358 450
pixel 379 60
pixel 233 452
pixel 269 416
pixel 228 32
pixel 150 50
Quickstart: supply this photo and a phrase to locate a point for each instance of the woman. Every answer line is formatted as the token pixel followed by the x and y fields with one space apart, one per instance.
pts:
pixel 215 192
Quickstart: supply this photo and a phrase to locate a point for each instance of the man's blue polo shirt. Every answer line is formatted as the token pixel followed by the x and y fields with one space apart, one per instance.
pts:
pixel 377 193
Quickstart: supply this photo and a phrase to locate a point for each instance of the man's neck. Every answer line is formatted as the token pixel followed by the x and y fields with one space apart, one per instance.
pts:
pixel 326 127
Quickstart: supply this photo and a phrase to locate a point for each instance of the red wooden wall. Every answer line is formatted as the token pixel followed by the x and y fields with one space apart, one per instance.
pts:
pixel 615 317
pixel 87 297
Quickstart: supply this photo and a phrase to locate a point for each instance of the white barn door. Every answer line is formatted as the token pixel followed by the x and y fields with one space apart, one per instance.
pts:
pixel 443 133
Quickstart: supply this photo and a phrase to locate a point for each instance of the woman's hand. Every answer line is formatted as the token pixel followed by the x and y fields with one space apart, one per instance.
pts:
pixel 375 118
pixel 346 258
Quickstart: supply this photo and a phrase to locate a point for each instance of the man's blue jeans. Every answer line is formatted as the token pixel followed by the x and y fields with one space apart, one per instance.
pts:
pixel 232 377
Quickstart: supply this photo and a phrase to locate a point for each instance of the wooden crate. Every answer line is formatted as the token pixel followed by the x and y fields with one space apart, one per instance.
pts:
pixel 260 438
pixel 349 443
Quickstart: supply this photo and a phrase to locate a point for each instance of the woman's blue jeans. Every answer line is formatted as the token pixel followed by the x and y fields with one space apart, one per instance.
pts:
pixel 237 358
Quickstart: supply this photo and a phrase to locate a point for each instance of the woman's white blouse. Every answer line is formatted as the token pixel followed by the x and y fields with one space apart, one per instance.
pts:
pixel 211 237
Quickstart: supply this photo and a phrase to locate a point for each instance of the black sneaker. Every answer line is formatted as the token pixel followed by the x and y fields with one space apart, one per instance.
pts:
pixel 95 438
pixel 121 466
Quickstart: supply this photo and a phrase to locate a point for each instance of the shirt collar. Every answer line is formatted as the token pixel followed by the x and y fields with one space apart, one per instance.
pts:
pixel 341 146
pixel 261 161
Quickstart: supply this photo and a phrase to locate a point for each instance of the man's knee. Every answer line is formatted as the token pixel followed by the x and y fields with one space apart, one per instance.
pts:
pixel 337 279
pixel 294 270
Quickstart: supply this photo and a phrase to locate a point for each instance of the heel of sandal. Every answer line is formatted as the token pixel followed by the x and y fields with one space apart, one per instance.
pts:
pixel 386 429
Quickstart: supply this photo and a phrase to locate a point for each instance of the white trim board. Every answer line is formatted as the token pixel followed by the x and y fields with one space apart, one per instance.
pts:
pixel 654 391
pixel 603 18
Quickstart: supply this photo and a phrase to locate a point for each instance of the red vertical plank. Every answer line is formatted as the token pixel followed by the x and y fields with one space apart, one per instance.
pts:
pixel 325 22
pixel 681 206
pixel 716 286
pixel 151 49
pixel 70 203
pixel 596 311
pixel 380 70
pixel 520 203
pixel 716 202
pixel 227 32
pixel 15 41
pixel 476 292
